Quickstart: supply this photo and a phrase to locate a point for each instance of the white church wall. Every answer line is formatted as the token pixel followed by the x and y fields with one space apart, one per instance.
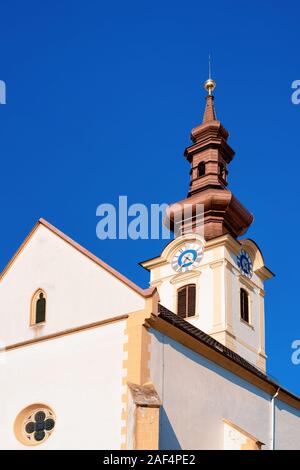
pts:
pixel 250 356
pixel 78 290
pixel 199 395
pixel 166 293
pixel 287 424
pixel 79 376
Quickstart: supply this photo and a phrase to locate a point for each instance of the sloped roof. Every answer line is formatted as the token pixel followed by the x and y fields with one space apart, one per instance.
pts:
pixel 166 321
pixel 144 292
pixel 191 330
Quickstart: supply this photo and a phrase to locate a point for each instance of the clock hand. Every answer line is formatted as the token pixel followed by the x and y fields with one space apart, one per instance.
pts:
pixel 188 258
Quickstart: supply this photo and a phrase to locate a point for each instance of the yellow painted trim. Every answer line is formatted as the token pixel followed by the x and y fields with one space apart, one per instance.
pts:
pixel 137 346
pixel 147 428
pixel 252 438
pixel 70 331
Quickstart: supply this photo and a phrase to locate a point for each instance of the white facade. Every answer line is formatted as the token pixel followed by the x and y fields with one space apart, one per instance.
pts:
pixel 218 283
pixel 79 376
pixel 199 397
pixel 93 343
pixel 74 361
pixel 79 291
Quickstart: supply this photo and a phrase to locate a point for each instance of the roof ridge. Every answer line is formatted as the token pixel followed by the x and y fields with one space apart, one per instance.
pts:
pixel 144 292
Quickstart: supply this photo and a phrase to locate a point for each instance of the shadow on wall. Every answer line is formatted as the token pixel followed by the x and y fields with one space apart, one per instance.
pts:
pixel 189 387
pixel 287 429
pixel 167 436
pixel 197 359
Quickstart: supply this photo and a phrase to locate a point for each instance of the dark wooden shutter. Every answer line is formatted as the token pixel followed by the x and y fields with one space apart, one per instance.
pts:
pixel 186 301
pixel 244 305
pixel 191 304
pixel 181 302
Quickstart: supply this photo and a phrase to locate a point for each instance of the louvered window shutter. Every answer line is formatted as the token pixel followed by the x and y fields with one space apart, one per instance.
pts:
pixel 181 302
pixel 191 305
pixel 186 301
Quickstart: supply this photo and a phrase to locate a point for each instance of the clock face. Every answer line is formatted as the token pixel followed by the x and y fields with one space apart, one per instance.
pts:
pixel 187 257
pixel 244 262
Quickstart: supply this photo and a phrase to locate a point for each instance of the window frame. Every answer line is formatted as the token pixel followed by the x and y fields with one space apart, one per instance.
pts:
pixel 247 322
pixel 24 416
pixel 33 303
pixel 186 288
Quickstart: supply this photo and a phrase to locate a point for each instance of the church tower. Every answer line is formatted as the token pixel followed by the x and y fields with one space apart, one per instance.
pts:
pixel 209 157
pixel 207 274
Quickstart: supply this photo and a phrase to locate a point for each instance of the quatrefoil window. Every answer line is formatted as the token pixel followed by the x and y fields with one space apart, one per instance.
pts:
pixel 39 425
pixel 34 424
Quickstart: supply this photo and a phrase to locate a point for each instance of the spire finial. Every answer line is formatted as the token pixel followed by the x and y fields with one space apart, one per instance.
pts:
pixel 210 84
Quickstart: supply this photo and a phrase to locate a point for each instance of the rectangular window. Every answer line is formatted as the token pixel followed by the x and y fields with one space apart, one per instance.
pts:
pixel 244 305
pixel 186 301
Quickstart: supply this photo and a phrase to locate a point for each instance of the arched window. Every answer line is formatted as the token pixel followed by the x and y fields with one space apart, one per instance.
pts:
pixel 201 169
pixel 38 308
pixel 244 305
pixel 186 301
pixel 223 171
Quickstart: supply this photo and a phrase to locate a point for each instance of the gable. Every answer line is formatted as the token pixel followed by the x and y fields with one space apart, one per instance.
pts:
pixel 79 289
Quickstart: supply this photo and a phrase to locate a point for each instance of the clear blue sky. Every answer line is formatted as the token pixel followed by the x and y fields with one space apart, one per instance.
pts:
pixel 101 97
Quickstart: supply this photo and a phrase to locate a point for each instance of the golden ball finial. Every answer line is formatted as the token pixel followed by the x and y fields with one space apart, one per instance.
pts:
pixel 210 85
